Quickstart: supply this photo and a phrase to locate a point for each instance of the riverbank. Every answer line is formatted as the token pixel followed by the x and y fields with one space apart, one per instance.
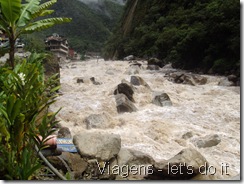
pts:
pixel 197 112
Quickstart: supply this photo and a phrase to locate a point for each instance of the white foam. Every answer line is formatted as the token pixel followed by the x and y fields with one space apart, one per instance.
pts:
pixel 157 131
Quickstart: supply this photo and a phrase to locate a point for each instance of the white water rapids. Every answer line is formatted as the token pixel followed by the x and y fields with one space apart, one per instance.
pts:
pixel 202 110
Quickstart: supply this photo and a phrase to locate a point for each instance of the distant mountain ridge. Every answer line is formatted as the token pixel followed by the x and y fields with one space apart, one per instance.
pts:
pixel 93 22
pixel 100 6
pixel 193 35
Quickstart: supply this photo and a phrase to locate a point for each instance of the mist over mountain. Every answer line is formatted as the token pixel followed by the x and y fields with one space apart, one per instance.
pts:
pixel 100 6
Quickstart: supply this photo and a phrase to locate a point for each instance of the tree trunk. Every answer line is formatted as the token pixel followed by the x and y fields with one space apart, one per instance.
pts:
pixel 11 52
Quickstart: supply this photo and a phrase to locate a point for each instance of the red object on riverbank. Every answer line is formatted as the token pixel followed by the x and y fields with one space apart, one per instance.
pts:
pixel 51 140
pixel 65 144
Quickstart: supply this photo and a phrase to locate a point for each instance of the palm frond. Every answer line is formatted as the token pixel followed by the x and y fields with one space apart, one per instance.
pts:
pixel 26 10
pixel 44 24
pixel 11 10
pixel 41 11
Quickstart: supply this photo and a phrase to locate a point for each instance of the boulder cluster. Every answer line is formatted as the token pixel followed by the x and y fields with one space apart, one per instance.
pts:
pixel 100 155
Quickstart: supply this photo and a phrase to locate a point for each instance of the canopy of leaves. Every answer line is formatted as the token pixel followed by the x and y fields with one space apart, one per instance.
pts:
pixel 17 17
pixel 20 17
pixel 192 34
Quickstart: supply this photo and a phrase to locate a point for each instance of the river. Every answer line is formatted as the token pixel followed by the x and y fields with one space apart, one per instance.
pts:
pixel 201 110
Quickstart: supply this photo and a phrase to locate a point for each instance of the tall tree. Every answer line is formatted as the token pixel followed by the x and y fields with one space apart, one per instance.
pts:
pixel 21 17
pixel 201 35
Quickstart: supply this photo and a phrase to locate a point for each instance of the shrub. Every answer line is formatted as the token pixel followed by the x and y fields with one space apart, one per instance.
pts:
pixel 24 95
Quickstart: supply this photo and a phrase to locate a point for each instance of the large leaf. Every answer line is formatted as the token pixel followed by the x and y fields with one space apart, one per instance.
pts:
pixel 11 10
pixel 26 11
pixel 42 9
pixel 3 26
pixel 44 24
pixel 10 104
pixel 3 130
pixel 16 110
pixel 46 12
pixel 5 115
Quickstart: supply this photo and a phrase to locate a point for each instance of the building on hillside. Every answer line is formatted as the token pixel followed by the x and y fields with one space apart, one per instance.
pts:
pixel 58 45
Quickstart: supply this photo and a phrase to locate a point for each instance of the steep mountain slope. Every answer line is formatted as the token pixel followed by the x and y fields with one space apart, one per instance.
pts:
pixel 202 35
pixel 97 2
pixel 90 27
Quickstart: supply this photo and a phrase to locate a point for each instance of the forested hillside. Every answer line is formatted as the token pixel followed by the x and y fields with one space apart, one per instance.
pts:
pixel 192 34
pixel 89 28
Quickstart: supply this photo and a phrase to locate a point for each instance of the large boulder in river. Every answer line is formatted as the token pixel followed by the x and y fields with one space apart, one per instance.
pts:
pixel 129 158
pixel 133 157
pixel 133 70
pixel 185 165
pixel 138 81
pixel 99 121
pixel 161 99
pixel 124 104
pixel 232 78
pixel 103 146
pixel 128 83
pixel 155 61
pixel 186 78
pixel 208 141
pixel 198 79
pixel 129 58
pixel 125 89
pixel 153 67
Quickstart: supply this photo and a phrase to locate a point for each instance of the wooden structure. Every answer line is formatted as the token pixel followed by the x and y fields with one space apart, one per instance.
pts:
pixel 58 45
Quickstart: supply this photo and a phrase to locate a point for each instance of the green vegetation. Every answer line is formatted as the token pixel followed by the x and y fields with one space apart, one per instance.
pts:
pixel 89 28
pixel 200 35
pixel 25 93
pixel 18 18
pixel 33 43
pixel 24 100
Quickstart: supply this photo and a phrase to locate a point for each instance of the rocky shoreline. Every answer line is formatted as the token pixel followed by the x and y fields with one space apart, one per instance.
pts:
pixel 100 157
pixel 102 151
